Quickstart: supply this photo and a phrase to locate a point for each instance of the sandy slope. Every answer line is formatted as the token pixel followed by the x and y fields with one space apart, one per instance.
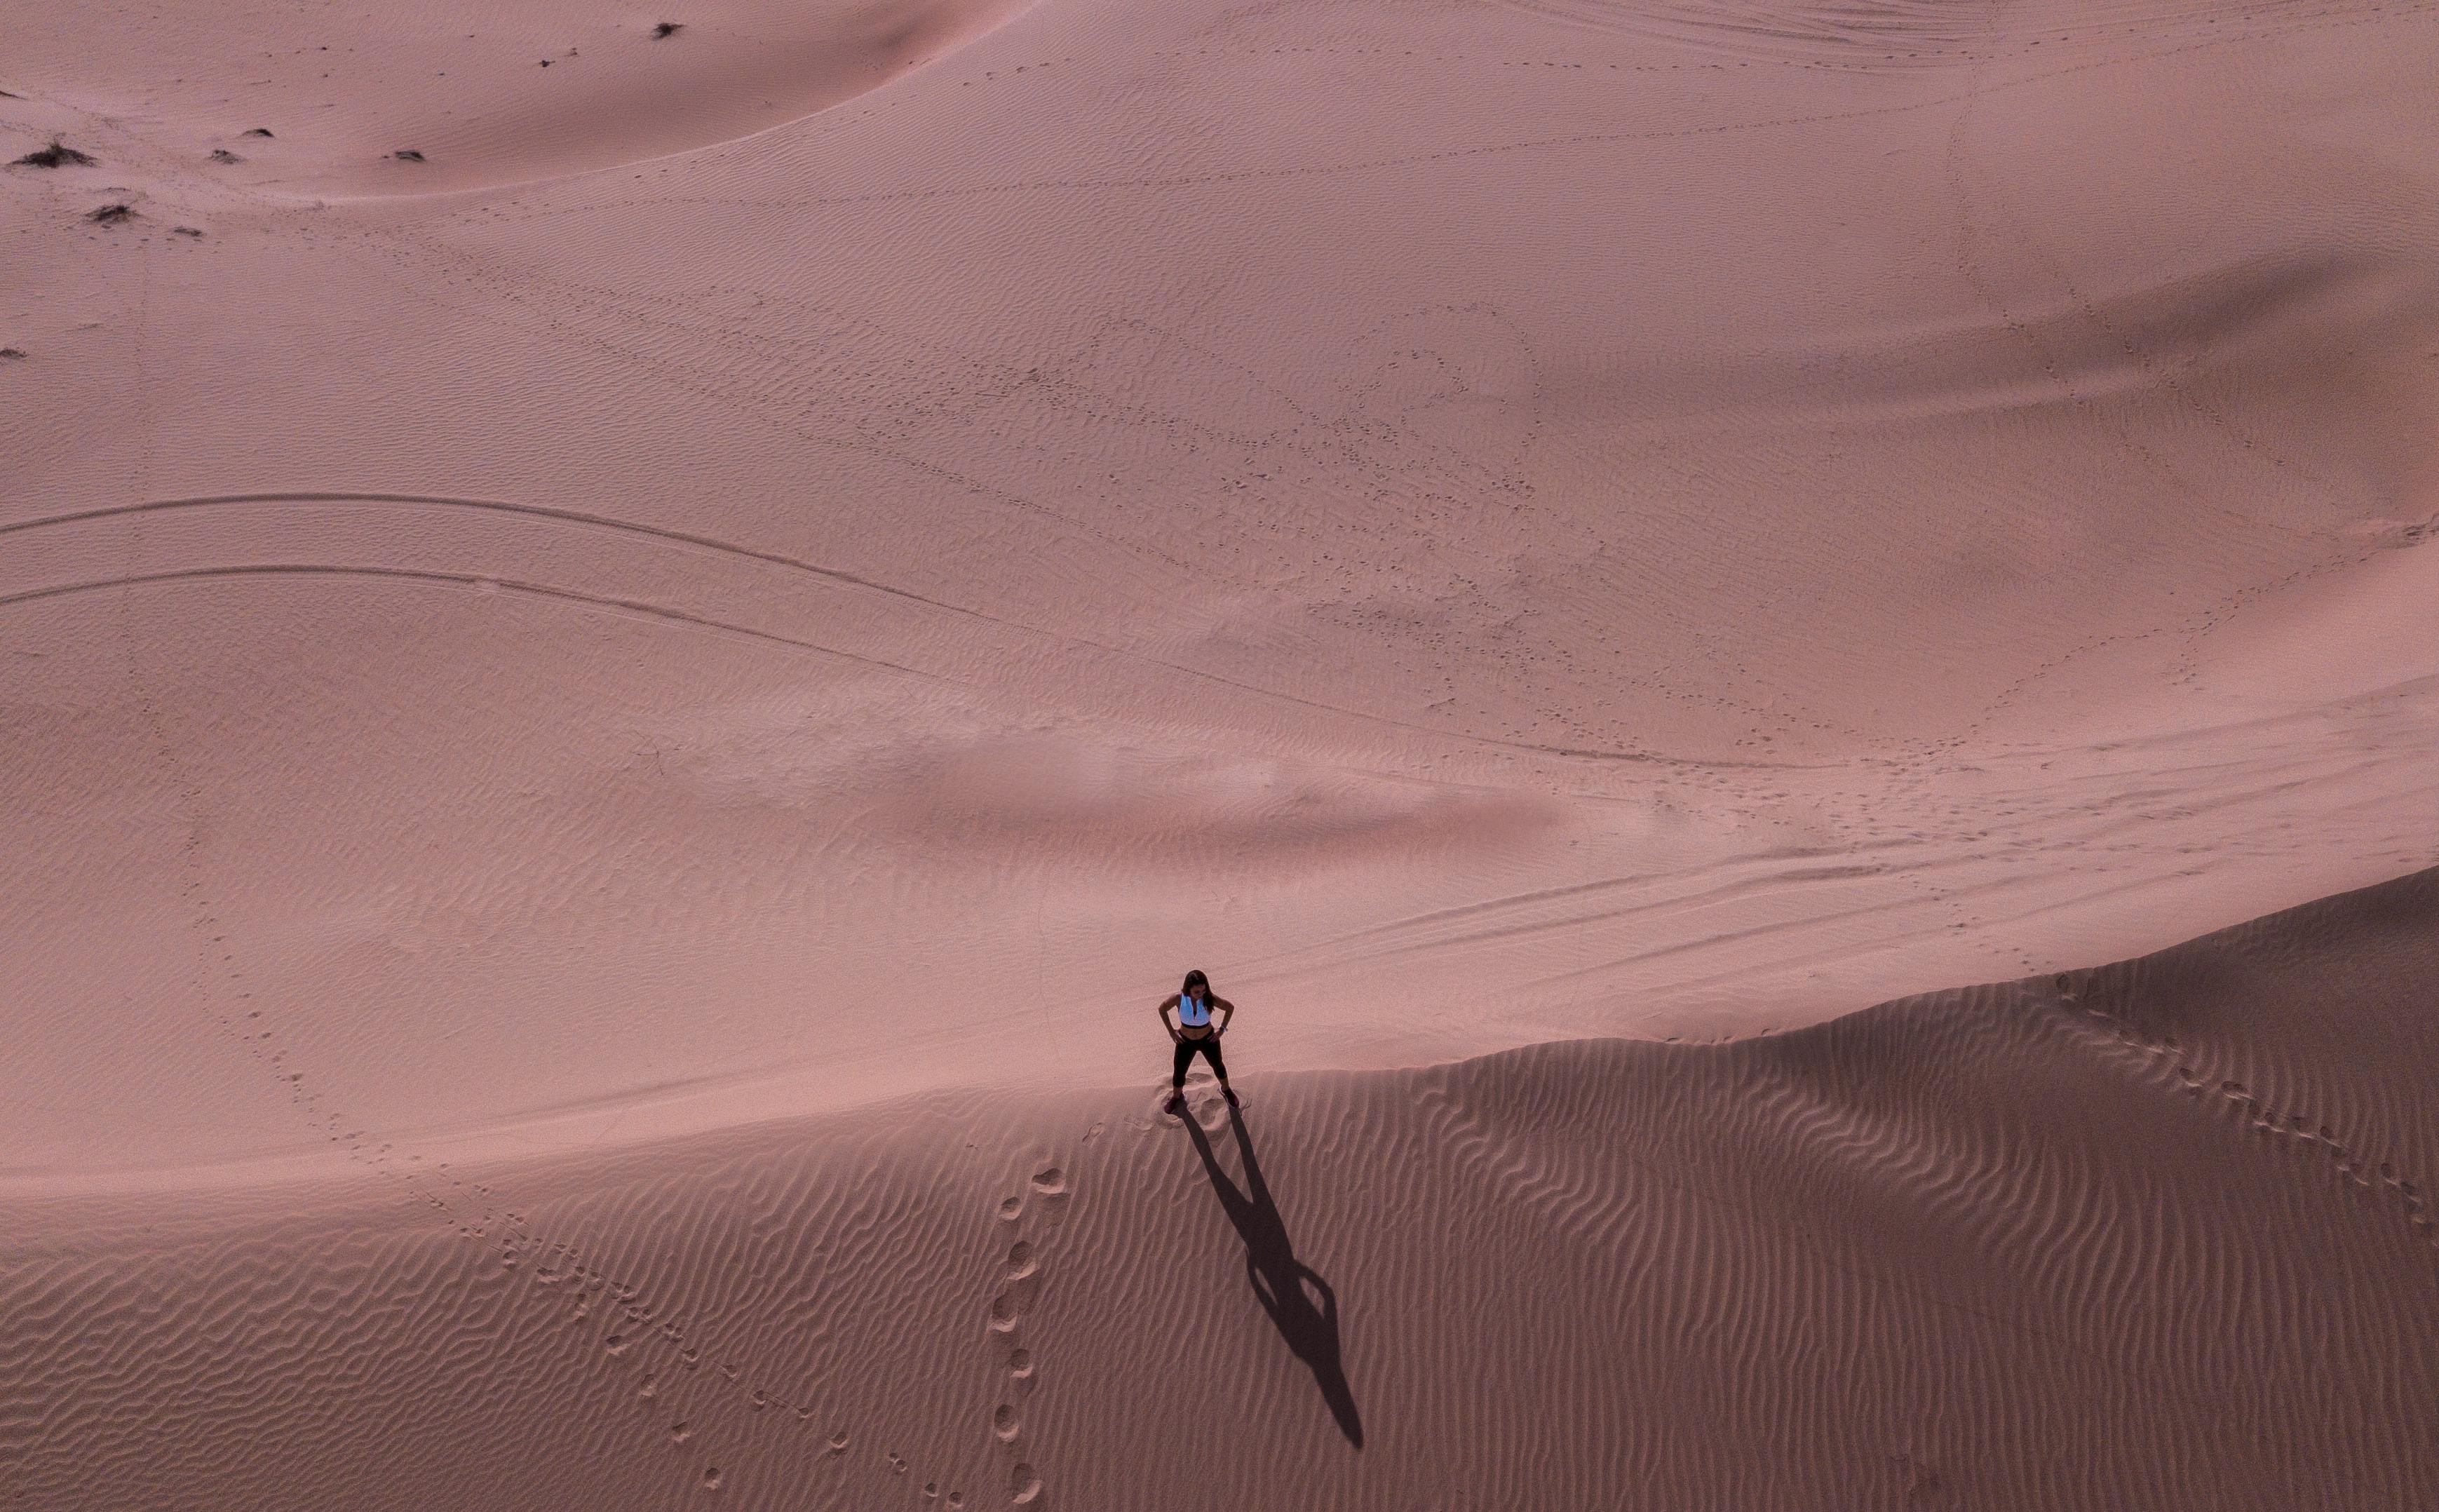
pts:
pixel 708 642
pixel 1476 523
pixel 317 96
pixel 2158 1234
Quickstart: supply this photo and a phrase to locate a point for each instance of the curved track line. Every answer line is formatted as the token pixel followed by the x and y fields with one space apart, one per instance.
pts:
pixel 543 512
pixel 460 580
pixel 774 559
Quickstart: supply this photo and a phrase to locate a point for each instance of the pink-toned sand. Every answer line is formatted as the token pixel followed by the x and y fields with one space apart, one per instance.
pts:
pixel 622 682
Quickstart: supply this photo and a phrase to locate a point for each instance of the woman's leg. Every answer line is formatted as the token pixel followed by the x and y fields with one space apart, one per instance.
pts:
pixel 1219 1067
pixel 1184 1058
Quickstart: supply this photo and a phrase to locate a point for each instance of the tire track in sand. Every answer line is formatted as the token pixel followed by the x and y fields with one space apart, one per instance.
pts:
pixel 476 581
pixel 834 575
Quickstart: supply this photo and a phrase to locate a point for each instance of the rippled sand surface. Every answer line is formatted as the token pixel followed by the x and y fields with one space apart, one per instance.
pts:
pixel 633 642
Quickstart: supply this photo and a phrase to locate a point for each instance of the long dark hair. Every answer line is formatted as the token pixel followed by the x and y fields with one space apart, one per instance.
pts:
pixel 1193 980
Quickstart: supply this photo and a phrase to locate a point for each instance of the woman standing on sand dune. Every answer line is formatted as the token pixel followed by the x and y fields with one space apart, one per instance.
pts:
pixel 1195 1032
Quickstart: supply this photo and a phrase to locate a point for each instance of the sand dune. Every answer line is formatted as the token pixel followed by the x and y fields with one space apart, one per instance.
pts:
pixel 2155 1235
pixel 318 99
pixel 1703 530
pixel 695 610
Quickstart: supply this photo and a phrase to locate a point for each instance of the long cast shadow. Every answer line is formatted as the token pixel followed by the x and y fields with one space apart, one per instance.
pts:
pixel 1278 1278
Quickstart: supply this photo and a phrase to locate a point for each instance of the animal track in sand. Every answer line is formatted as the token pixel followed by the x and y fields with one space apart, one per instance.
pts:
pixel 225 992
pixel 1392 448
pixel 2164 1051
pixel 472 1209
pixel 1324 447
pixel 222 990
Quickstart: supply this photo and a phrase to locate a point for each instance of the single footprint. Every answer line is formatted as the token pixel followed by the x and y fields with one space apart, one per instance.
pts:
pixel 1022 1484
pixel 711 1478
pixel 1004 1423
pixel 1009 1208
pixel 1049 1181
pixel 838 1443
pixel 1004 1311
pixel 1020 1260
pixel 679 1432
pixel 1020 1365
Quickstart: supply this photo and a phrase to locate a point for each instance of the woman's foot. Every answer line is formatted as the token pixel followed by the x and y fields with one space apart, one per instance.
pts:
pixel 1229 1092
pixel 1176 1103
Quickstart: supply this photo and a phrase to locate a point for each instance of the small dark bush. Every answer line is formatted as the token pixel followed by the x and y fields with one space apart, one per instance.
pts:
pixel 59 155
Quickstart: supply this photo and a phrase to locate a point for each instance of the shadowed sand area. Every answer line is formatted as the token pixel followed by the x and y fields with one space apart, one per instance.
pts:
pixel 2158 1234
pixel 633 642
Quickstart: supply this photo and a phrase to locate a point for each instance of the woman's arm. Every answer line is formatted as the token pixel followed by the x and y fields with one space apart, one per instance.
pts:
pixel 1227 1011
pixel 1166 1004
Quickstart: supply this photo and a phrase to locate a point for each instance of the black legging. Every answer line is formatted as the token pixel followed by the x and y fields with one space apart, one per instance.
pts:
pixel 1208 1048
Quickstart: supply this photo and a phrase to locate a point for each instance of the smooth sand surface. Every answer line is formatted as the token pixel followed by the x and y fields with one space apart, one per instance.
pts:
pixel 807 567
